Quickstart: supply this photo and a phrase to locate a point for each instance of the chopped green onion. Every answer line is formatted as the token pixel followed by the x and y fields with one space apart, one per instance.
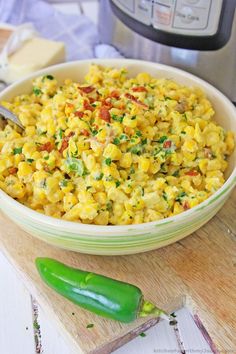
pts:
pixel 37 91
pixel 108 161
pixel 75 165
pixel 17 151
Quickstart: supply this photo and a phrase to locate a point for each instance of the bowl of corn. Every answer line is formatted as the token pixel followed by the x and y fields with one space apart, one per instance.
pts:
pixel 117 156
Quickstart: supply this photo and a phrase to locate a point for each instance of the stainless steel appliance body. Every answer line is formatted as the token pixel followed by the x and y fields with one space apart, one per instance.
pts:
pixel 195 35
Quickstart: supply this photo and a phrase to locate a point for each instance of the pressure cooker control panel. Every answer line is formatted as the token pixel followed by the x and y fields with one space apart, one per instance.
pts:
pixel 191 17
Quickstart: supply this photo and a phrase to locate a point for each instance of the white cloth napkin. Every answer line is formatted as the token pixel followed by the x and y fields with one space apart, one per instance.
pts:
pixel 78 33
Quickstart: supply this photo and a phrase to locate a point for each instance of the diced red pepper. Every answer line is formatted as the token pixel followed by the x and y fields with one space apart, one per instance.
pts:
pixel 167 144
pixel 139 89
pixel 105 114
pixel 135 100
pixel 46 147
pixel 85 132
pixel 79 114
pixel 192 173
pixel 87 106
pixel 186 205
pixel 12 170
pixel 86 89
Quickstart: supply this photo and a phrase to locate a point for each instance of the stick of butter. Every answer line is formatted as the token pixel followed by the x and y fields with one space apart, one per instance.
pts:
pixel 33 55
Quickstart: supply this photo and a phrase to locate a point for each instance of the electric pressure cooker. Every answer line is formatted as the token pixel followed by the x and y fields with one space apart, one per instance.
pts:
pixel 196 35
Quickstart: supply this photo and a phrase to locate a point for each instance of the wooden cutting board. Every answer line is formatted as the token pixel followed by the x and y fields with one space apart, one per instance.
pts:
pixel 199 272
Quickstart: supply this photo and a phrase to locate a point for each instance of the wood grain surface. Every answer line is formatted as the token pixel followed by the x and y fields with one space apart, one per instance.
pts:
pixel 199 271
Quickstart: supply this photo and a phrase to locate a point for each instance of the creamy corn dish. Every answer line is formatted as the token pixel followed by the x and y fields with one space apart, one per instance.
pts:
pixel 113 150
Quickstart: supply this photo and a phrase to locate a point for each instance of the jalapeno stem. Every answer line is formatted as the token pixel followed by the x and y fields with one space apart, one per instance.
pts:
pixel 149 309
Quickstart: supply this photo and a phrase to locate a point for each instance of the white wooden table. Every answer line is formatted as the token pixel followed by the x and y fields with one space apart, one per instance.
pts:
pixel 25 328
pixel 21 319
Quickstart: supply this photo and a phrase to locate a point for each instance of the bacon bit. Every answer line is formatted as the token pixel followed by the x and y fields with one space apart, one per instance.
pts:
pixel 79 114
pixel 105 114
pixel 167 144
pixel 135 100
pixel 92 100
pixel 64 145
pixel 85 132
pixel 65 142
pixel 192 173
pixel 115 94
pixel 139 89
pixel 86 89
pixel 70 135
pixel 12 170
pixel 87 106
pixel 186 205
pixel 107 102
pixel 46 147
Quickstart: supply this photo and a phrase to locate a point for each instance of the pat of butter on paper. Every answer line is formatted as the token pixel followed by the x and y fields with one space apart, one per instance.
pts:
pixel 35 54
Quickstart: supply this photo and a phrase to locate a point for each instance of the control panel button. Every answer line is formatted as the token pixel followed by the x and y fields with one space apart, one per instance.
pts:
pixel 161 15
pixel 143 11
pixel 191 17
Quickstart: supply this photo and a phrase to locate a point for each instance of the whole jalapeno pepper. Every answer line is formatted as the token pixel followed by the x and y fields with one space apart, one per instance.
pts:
pixel 99 294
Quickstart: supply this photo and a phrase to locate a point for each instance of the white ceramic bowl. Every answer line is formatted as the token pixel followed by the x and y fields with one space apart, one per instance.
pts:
pixel 127 239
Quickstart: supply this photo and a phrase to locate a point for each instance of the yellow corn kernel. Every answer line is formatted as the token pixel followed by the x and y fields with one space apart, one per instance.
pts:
pixel 154 167
pixel 177 208
pixel 230 142
pixel 14 187
pixel 190 145
pixel 138 217
pixel 189 156
pixel 28 149
pixel 30 131
pixel 112 151
pixel 152 215
pixel 102 218
pixel 4 164
pixel 126 160
pixel 85 196
pixel 126 218
pixel 100 197
pixel 89 161
pixel 203 163
pixel 144 163
pixel 116 195
pixel 24 171
pixel 143 78
pixel 88 211
pixel 101 136
pixel 193 202
pixel 159 183
pixel 69 201
pixel 213 165
pixel 130 122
